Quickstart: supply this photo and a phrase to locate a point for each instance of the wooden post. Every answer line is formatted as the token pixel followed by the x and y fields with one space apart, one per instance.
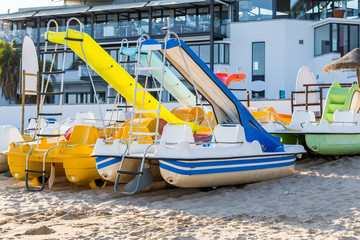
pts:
pixel 321 102
pixel 292 102
pixel 358 76
pixel 23 102
pixel 38 96
pixel 306 97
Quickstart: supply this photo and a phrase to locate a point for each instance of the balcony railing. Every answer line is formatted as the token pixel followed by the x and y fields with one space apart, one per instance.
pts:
pixel 18 35
pixel 120 29
pixel 183 27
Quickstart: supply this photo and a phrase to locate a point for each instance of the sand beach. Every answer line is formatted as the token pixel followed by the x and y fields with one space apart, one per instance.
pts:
pixel 319 201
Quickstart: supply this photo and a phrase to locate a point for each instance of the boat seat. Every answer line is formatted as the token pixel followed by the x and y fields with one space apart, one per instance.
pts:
pixel 84 118
pixel 229 133
pixel 177 133
pixel 126 134
pixel 301 116
pixel 345 118
pixel 83 134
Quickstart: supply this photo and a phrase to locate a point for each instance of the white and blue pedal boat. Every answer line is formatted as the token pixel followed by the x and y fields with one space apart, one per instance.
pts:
pixel 240 151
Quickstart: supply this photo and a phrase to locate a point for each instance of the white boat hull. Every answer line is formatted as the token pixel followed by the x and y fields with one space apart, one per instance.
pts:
pixel 209 173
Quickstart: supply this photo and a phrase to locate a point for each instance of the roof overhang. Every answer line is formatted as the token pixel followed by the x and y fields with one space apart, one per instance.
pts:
pixel 62 11
pixel 169 3
pixel 336 20
pixel 117 7
pixel 18 15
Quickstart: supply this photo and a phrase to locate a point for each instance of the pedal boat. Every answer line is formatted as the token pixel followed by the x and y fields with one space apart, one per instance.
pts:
pixel 338 131
pixel 69 157
pixel 228 159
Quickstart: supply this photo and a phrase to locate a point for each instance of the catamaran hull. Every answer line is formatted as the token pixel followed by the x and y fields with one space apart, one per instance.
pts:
pixel 334 144
pixel 221 172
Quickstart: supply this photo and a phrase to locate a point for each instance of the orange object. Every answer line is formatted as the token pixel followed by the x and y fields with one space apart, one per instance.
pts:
pixel 265 114
pixel 189 114
pixel 235 77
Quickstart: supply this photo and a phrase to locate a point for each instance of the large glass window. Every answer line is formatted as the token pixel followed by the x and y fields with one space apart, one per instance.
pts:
pixel 354 37
pixel 258 61
pixel 84 97
pixel 322 40
pixel 221 52
pixel 297 9
pixel 352 8
pixel 343 39
pixel 336 37
pixel 255 10
pixel 334 34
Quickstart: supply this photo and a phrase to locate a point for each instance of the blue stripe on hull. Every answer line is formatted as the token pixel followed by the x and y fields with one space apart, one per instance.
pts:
pixel 194 164
pixel 225 170
pixel 107 163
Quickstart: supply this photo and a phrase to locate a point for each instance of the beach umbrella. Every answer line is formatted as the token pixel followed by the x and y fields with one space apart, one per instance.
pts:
pixel 349 61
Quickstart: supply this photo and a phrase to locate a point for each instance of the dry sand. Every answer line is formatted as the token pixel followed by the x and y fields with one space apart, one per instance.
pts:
pixel 320 201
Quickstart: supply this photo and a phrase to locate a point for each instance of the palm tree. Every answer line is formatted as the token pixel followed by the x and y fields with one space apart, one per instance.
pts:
pixel 9 69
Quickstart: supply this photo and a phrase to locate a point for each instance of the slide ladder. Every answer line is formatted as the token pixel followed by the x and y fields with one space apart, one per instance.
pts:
pixel 119 103
pixel 338 98
pixel 143 177
pixel 43 95
pixel 171 82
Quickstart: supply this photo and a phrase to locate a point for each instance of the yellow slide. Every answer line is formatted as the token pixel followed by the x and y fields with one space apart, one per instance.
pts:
pixel 102 63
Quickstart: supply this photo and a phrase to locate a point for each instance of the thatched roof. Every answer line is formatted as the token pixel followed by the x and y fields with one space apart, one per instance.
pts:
pixel 349 61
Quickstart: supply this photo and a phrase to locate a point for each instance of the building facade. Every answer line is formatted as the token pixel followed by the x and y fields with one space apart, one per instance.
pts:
pixel 270 40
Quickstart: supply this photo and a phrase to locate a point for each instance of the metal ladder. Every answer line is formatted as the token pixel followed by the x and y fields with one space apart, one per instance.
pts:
pixel 143 172
pixel 118 102
pixel 43 95
pixel 61 93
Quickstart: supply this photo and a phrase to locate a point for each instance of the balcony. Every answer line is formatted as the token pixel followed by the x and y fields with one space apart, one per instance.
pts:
pixel 189 26
pixel 120 29
pixel 18 35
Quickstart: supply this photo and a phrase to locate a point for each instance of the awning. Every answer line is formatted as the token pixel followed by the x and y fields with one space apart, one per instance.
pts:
pixel 115 7
pixel 172 2
pixel 61 11
pixel 18 15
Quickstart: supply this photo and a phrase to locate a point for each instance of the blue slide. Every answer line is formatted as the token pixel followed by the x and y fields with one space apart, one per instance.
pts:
pixel 227 108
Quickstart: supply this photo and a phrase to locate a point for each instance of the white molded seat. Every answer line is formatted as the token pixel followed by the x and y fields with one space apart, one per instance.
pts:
pixel 177 133
pixel 301 116
pixel 345 118
pixel 229 133
pixel 84 118
pixel 117 115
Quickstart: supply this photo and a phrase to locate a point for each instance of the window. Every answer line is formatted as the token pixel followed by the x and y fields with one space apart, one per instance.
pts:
pixel 258 94
pixel 282 94
pixel 297 9
pixel 322 40
pixel 258 61
pixel 255 10
pixel 84 97
pixel 354 37
pixel 221 52
pixel 336 37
